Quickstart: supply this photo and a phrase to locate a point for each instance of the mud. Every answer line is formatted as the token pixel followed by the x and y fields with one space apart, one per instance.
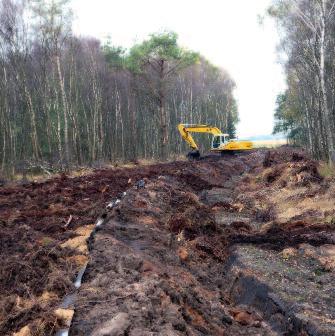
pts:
pixel 297 297
pixel 163 260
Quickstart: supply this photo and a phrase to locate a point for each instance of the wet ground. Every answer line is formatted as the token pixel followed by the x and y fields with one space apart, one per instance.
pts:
pixel 238 245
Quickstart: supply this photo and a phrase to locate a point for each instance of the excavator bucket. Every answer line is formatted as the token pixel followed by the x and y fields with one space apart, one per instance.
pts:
pixel 193 155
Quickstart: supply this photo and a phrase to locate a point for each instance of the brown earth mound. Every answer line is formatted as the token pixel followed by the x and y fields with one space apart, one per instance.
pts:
pixel 284 155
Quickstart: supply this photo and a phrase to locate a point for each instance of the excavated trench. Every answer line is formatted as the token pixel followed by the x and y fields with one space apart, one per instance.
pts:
pixel 178 257
pixel 153 269
pixel 211 247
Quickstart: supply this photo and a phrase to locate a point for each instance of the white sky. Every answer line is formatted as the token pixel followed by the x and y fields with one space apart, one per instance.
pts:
pixel 226 32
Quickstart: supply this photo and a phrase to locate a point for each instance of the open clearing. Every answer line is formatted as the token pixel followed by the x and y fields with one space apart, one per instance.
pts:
pixel 269 143
pixel 239 245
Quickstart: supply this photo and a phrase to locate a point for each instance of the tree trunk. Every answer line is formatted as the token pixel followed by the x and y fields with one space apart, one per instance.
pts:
pixel 163 127
pixel 133 133
pixel 326 112
pixel 162 115
pixel 34 137
pixel 65 113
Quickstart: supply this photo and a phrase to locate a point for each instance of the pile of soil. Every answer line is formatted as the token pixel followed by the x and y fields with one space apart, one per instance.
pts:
pixel 284 154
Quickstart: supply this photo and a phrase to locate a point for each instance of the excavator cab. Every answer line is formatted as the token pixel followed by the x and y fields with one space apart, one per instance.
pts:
pixel 219 140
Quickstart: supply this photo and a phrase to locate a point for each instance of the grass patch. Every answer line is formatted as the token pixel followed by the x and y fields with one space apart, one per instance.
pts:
pixel 326 170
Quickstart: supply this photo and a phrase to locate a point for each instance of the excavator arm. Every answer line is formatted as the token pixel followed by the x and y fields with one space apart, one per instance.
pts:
pixel 186 130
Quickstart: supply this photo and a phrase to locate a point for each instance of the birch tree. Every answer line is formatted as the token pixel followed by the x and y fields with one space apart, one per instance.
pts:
pixel 308 32
pixel 53 24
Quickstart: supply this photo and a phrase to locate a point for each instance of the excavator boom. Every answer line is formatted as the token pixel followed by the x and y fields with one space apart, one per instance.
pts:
pixel 186 130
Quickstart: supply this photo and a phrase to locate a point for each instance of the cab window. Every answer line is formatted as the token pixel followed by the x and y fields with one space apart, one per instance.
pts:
pixel 216 142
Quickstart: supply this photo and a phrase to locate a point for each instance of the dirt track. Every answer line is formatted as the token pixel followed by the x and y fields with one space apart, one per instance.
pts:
pixel 177 255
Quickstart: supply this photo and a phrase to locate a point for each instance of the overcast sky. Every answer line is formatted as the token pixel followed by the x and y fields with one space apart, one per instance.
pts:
pixel 226 32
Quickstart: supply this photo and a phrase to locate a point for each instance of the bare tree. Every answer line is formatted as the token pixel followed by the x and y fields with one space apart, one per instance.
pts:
pixel 309 30
pixel 69 100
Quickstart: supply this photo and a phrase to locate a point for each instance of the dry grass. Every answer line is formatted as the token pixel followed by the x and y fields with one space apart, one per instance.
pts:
pixel 269 143
pixel 84 171
pixel 326 170
pixel 287 209
pixel 292 201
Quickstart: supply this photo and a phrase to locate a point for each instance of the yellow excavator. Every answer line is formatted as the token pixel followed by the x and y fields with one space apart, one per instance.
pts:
pixel 220 142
